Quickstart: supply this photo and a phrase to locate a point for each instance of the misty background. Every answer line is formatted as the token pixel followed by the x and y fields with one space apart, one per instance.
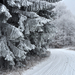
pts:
pixel 70 5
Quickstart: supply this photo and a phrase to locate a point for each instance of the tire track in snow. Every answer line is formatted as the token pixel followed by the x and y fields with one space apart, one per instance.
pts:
pixel 46 68
pixel 60 62
pixel 71 63
pixel 57 68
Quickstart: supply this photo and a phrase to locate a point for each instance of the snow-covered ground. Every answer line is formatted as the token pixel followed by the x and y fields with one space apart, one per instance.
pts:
pixel 60 62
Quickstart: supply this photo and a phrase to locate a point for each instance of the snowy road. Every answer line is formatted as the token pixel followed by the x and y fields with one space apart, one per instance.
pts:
pixel 61 62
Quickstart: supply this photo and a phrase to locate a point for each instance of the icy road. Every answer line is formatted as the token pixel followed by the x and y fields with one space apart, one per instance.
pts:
pixel 60 62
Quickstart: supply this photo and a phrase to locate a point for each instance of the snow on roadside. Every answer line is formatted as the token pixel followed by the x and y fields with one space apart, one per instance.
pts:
pixel 61 62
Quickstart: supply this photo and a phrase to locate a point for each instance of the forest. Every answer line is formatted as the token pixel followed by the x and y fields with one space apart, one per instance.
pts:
pixel 29 27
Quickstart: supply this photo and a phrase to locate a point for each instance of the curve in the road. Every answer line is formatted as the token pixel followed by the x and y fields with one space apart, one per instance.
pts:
pixel 61 62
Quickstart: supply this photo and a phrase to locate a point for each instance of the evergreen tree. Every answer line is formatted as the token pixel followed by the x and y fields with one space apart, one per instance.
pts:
pixel 27 29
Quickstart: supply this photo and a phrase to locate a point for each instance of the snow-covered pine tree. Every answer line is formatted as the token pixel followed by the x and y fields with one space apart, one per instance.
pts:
pixel 26 30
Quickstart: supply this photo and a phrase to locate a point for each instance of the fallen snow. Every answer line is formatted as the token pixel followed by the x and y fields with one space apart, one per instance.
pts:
pixel 60 62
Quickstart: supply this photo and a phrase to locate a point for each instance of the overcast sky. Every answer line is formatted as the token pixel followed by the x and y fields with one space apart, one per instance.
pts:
pixel 70 5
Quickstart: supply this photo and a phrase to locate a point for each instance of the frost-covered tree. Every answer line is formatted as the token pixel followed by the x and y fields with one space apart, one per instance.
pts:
pixel 24 29
pixel 60 10
pixel 64 22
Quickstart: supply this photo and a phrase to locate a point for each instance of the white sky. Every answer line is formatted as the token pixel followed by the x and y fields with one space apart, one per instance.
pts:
pixel 70 5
